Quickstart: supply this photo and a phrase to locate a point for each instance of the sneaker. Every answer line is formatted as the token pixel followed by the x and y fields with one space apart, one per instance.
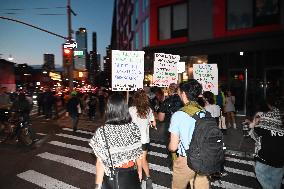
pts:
pixel 149 184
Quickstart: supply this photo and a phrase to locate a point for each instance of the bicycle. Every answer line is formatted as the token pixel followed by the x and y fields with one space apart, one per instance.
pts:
pixel 17 128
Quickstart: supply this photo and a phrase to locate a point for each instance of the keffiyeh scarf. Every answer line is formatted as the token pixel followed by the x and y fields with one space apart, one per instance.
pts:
pixel 124 142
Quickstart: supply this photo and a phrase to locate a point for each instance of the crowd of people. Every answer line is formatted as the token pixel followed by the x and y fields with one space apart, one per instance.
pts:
pixel 122 143
pixel 127 127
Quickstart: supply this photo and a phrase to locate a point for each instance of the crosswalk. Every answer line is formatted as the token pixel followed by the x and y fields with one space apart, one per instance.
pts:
pixel 66 162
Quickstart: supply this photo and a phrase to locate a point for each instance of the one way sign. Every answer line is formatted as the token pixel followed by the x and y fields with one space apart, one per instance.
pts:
pixel 70 45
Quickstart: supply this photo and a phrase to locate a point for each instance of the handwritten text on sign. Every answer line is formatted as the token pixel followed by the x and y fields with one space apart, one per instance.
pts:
pixel 165 69
pixel 127 70
pixel 207 75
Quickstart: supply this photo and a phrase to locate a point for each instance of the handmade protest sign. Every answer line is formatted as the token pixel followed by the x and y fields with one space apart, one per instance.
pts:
pixel 207 75
pixel 165 69
pixel 127 70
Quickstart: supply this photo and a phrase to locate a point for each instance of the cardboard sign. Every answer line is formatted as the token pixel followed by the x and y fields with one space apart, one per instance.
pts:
pixel 207 75
pixel 165 69
pixel 127 70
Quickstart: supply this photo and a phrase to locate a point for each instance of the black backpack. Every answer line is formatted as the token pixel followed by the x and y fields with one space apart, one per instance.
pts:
pixel 205 154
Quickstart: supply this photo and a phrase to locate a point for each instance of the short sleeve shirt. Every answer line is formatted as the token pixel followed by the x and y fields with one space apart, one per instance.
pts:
pixel 143 124
pixel 183 125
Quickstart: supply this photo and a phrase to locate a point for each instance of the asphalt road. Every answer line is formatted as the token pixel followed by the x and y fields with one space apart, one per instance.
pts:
pixel 63 159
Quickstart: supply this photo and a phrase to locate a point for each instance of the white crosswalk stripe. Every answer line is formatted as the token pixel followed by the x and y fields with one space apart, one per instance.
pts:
pixel 44 181
pixel 156 163
pixel 69 161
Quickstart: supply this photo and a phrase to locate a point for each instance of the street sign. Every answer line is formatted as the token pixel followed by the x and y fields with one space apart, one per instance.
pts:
pixel 78 53
pixel 73 45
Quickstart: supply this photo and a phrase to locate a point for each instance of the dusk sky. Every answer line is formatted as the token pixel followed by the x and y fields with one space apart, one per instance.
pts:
pixel 27 45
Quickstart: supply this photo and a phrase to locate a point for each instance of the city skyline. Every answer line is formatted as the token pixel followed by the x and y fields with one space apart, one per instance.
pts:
pixel 27 45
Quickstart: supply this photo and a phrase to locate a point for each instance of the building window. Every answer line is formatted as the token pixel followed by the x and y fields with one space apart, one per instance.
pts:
pixel 145 5
pixel 136 12
pixel 136 41
pixel 249 13
pixel 173 21
pixel 266 12
pixel 146 33
pixel 239 14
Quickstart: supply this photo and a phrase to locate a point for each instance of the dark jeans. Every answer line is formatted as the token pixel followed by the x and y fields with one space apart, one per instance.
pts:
pixel 92 112
pixel 75 120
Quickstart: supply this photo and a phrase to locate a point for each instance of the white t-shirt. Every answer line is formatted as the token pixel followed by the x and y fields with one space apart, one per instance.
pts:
pixel 213 109
pixel 143 124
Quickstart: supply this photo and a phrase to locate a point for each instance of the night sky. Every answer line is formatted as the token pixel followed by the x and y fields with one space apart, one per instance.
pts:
pixel 27 45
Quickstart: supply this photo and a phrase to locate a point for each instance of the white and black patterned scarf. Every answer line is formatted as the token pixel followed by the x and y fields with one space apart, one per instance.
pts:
pixel 272 121
pixel 124 143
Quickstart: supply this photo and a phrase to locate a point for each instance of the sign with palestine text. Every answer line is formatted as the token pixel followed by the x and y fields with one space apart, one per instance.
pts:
pixel 127 70
pixel 165 69
pixel 207 75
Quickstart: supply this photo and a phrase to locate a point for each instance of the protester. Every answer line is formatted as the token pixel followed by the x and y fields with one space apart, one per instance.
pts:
pixel 229 109
pixel 210 105
pixel 181 128
pixel 118 132
pixel 72 109
pixel 143 116
pixel 169 106
pixel 48 101
pixel 268 126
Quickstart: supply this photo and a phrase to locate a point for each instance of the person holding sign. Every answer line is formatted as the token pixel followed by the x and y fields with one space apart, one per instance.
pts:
pixel 142 115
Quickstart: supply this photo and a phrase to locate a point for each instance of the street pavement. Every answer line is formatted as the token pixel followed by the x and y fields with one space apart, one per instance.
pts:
pixel 63 159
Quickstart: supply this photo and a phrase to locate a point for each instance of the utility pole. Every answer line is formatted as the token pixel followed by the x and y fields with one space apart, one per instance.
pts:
pixel 69 38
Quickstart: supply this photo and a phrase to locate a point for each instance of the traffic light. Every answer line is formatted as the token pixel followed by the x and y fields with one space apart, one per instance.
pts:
pixel 68 55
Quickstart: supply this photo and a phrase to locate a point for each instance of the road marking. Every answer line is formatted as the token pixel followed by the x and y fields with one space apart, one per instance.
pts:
pixel 248 162
pixel 160 168
pixel 73 137
pixel 71 146
pixel 155 186
pixel 79 131
pixel 44 181
pixel 43 134
pixel 90 168
pixel 158 145
pixel 157 154
pixel 228 185
pixel 240 172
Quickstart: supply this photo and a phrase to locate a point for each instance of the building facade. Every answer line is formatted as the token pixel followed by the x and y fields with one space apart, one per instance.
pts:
pixel 244 38
pixel 80 61
pixel 48 62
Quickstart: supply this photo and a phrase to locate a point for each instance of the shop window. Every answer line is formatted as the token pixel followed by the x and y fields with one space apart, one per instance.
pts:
pixel 173 21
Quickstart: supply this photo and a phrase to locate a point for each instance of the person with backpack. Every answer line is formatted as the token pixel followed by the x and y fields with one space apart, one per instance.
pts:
pixel 193 133
pixel 169 106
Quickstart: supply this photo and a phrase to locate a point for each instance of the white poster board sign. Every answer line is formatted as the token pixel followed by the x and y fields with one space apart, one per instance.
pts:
pixel 165 69
pixel 127 70
pixel 180 67
pixel 207 75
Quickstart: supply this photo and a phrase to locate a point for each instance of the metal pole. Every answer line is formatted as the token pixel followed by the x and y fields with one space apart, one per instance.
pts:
pixel 246 91
pixel 70 71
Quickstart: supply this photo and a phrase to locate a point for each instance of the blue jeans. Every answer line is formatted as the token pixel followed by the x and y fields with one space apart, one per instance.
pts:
pixel 75 120
pixel 269 177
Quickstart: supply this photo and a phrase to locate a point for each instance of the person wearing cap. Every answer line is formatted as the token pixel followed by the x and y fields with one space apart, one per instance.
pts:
pixel 72 109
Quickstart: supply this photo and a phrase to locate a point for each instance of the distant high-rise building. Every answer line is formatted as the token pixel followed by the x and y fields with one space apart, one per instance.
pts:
pixel 80 59
pixel 48 62
pixel 94 42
